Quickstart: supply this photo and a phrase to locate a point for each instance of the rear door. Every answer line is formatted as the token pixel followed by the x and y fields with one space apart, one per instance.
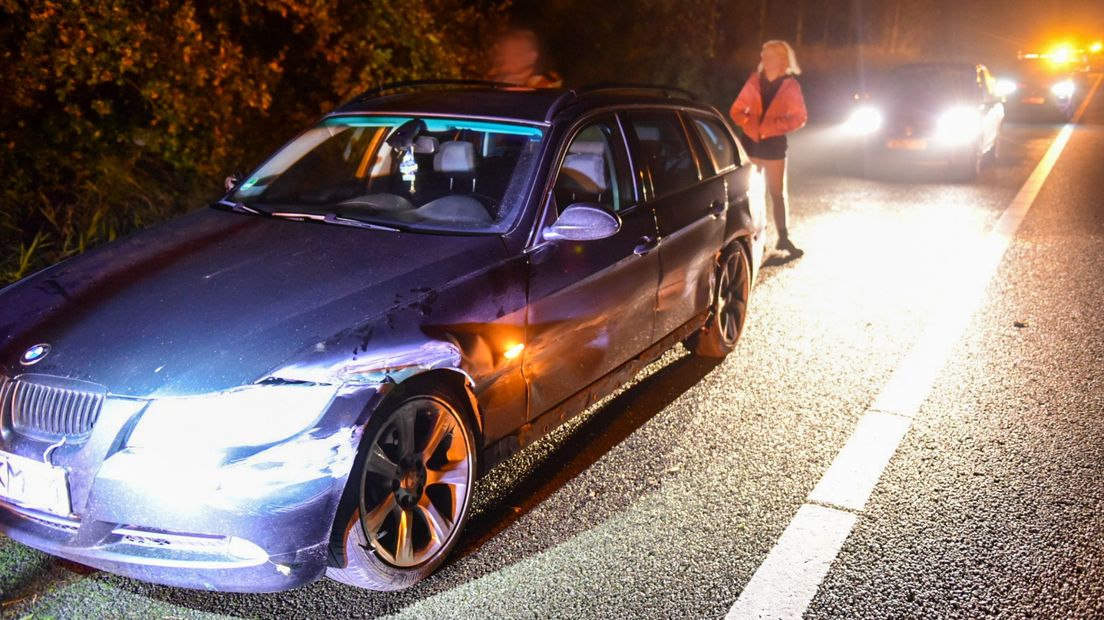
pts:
pixel 591 303
pixel 689 208
pixel 721 158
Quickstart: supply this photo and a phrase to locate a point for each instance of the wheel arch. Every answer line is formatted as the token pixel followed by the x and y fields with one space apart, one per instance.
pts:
pixel 458 382
pixel 455 381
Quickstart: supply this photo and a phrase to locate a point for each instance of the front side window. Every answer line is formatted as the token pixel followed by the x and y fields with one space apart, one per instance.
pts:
pixel 662 152
pixel 451 174
pixel 595 169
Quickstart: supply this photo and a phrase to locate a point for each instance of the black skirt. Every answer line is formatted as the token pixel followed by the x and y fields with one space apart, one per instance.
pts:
pixel 768 148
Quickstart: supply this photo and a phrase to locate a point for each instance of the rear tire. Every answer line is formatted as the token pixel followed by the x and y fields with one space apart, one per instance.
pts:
pixel 408 496
pixel 726 321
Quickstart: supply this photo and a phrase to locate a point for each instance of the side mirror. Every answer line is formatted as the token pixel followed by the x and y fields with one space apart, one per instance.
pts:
pixel 583 221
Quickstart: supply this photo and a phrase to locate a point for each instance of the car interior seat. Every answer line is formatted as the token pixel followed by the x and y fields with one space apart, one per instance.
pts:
pixel 456 160
pixel 584 175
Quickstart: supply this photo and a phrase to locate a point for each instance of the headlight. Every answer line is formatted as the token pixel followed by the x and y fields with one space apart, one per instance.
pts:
pixel 1063 89
pixel 255 415
pixel 958 125
pixel 864 121
pixel 1005 88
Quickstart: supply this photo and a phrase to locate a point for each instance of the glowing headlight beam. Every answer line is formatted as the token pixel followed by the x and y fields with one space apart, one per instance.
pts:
pixel 255 415
pixel 1006 87
pixel 958 125
pixel 1063 89
pixel 864 121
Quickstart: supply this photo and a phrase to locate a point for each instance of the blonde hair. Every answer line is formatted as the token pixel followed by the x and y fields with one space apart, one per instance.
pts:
pixel 793 68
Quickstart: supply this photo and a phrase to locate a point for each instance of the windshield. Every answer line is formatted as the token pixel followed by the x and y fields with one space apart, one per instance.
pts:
pixel 1039 70
pixel 929 84
pixel 401 172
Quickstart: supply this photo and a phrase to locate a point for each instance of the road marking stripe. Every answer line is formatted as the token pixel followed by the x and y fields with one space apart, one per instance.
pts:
pixel 852 476
pixel 788 579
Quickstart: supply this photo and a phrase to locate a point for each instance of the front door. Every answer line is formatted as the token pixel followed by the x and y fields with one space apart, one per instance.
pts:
pixel 591 303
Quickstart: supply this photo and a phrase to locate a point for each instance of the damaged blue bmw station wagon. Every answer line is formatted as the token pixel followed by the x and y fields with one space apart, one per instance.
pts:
pixel 307 377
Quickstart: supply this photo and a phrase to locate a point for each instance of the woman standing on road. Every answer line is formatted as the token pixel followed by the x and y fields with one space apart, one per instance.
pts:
pixel 770 106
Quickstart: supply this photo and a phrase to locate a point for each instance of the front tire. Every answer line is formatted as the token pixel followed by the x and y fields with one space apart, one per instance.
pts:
pixel 726 321
pixel 408 496
pixel 968 168
pixel 993 154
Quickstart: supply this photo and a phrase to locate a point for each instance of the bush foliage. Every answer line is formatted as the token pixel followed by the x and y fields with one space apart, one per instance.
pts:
pixel 120 113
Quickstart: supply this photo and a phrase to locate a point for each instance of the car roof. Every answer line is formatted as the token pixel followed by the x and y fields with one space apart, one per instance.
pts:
pixel 521 104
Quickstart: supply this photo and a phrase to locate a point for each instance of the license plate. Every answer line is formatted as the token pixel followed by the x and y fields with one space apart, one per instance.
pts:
pixel 31 484
pixel 908 145
pixel 1035 100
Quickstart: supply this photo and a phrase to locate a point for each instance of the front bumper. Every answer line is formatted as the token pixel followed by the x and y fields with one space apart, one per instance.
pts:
pixel 183 560
pixel 256 522
pixel 1038 102
pixel 886 151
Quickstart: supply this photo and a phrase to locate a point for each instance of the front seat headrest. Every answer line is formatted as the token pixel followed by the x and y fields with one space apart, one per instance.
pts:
pixel 426 145
pixel 593 147
pixel 455 158
pixel 585 173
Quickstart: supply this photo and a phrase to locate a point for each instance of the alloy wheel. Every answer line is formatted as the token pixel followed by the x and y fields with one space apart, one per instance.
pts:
pixel 733 290
pixel 415 482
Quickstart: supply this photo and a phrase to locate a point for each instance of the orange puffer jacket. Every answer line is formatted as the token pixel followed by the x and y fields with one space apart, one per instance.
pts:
pixel 786 113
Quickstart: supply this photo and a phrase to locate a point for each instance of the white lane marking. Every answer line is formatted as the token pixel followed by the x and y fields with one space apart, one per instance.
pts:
pixel 788 579
pixel 852 476
pixel 910 383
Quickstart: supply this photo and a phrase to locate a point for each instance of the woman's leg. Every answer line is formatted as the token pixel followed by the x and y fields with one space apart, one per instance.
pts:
pixel 774 173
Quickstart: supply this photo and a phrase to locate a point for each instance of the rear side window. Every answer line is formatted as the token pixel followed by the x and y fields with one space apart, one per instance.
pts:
pixel 718 141
pixel 662 153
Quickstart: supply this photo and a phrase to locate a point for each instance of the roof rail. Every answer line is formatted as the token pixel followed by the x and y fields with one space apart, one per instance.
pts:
pixel 671 92
pixel 378 91
pixel 667 91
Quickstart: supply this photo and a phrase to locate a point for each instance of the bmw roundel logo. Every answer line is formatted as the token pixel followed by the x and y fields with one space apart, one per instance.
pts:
pixel 34 354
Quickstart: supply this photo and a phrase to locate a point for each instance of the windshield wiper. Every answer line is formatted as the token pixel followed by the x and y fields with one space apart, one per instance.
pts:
pixel 240 207
pixel 333 218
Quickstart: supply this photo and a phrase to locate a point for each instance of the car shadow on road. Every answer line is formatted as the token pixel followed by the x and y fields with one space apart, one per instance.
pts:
pixel 595 434
pixel 507 494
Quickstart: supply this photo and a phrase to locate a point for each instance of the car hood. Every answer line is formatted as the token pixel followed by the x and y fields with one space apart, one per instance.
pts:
pixel 217 299
pixel 922 111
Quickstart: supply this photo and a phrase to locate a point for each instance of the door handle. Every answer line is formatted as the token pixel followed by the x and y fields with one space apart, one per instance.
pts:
pixel 717 208
pixel 645 245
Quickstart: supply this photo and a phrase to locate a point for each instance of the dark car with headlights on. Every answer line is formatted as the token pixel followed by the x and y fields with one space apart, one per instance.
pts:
pixel 1039 88
pixel 308 376
pixel 928 114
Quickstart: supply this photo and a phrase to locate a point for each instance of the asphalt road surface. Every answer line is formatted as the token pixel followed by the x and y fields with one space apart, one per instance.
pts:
pixel 795 478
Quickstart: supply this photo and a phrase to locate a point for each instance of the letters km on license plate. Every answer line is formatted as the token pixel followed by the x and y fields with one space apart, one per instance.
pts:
pixel 31 484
